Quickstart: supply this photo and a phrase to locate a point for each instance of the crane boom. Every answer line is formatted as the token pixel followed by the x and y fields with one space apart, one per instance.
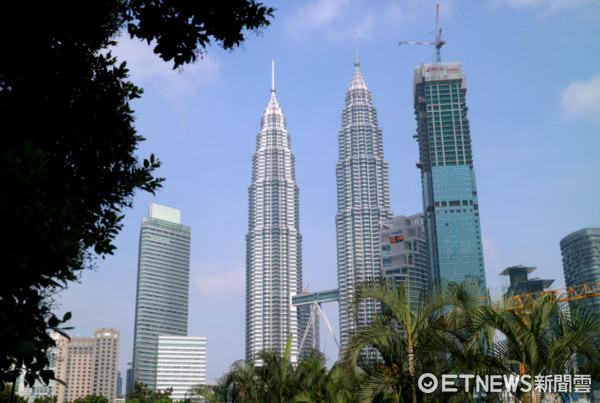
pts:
pixel 416 43
pixel 519 303
pixel 567 294
pixel 439 42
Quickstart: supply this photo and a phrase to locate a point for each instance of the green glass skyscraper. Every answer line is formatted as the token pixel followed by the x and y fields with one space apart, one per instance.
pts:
pixel 163 284
pixel 450 201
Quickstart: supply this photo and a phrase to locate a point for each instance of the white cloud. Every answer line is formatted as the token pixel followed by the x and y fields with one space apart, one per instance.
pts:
pixel 147 68
pixel 582 98
pixel 220 280
pixel 550 6
pixel 527 3
pixel 336 20
pixel 324 12
pixel 317 16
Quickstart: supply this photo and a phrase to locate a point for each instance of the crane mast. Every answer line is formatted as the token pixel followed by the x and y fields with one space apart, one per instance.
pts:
pixel 439 42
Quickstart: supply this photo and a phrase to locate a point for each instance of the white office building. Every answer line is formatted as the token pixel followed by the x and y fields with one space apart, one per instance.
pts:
pixel 180 364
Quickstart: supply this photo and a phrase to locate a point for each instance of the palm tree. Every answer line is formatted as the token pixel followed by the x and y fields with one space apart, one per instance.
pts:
pixel 543 339
pixel 342 384
pixel 244 383
pixel 273 380
pixel 312 377
pixel 212 393
pixel 408 337
pixel 239 384
pixel 467 347
pixel 317 385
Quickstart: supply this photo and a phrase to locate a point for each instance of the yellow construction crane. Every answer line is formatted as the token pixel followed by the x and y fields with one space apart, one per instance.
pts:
pixel 565 294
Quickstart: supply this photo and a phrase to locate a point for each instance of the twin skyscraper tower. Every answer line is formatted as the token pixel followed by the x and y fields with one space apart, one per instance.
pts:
pixel 451 247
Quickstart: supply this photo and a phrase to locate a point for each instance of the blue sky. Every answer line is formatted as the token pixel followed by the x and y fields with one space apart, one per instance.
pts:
pixel 533 79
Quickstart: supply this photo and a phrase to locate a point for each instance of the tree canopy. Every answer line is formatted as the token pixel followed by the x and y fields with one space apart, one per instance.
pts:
pixel 68 159
pixel 91 399
pixel 140 393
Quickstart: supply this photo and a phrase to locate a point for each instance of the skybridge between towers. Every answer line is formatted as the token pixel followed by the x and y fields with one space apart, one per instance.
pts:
pixel 315 299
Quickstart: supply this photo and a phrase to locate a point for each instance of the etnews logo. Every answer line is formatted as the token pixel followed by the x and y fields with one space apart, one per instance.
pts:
pixel 428 383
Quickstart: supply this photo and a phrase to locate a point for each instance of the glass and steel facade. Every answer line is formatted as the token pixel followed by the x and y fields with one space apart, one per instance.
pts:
pixel 450 204
pixel 163 284
pixel 581 261
pixel 181 364
pixel 273 241
pixel 405 256
pixel 363 201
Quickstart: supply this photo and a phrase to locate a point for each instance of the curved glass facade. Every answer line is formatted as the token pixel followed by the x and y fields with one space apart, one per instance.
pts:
pixel 581 261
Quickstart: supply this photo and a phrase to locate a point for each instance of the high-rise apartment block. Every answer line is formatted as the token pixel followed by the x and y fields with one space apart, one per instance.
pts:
pixel 106 363
pixel 405 256
pixel 363 201
pixel 162 297
pixel 88 366
pixel 74 367
pixel 581 261
pixel 450 203
pixel 273 241
pixel 181 364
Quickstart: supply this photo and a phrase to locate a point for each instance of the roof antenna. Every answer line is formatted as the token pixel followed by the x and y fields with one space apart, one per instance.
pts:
pixel 272 75
pixel 356 63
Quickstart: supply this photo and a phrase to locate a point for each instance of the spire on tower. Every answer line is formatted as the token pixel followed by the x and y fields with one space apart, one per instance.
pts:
pixel 357 78
pixel 272 75
pixel 356 63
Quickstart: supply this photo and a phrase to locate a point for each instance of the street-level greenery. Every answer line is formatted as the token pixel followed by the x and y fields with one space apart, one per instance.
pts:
pixel 449 331
pixel 140 393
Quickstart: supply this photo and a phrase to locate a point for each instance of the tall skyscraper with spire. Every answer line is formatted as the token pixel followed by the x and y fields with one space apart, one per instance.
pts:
pixel 450 201
pixel 363 200
pixel 273 242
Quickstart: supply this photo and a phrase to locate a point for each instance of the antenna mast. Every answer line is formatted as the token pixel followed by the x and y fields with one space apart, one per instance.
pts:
pixel 356 63
pixel 272 75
